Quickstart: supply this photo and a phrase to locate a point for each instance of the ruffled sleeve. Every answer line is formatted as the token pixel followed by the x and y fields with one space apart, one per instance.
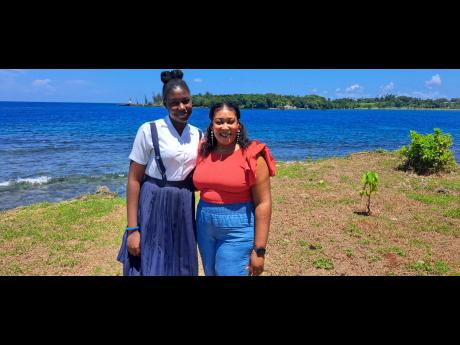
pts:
pixel 253 150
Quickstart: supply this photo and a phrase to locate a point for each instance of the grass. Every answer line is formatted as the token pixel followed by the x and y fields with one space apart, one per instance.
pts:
pixel 61 238
pixel 433 199
pixel 323 263
pixel 454 213
pixel 317 228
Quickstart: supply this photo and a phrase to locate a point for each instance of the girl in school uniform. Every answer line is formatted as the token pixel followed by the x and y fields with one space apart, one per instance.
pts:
pixel 160 237
pixel 233 215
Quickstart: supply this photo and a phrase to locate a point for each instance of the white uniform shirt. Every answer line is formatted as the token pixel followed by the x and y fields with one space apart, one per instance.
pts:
pixel 178 152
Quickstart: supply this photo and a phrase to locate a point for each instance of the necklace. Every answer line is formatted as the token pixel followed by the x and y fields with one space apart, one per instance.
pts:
pixel 226 152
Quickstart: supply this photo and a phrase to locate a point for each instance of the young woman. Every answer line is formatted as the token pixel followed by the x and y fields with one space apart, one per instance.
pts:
pixel 233 216
pixel 160 238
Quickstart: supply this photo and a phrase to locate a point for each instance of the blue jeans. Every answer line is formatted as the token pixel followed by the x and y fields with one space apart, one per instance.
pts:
pixel 225 236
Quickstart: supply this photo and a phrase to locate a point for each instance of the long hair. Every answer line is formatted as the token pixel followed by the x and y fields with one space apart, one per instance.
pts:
pixel 209 145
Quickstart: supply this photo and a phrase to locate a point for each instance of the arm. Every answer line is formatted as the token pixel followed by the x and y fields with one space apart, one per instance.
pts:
pixel 261 196
pixel 135 176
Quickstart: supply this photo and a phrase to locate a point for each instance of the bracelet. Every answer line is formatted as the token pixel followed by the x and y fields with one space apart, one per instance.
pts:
pixel 132 229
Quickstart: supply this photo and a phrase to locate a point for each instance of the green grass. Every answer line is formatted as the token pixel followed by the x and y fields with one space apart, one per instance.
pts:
pixel 421 266
pixel 444 229
pixel 349 253
pixel 454 213
pixel 441 267
pixel 432 199
pixel 371 258
pixel 61 233
pixel 323 263
pixel 354 230
pixel 396 250
pixel 290 170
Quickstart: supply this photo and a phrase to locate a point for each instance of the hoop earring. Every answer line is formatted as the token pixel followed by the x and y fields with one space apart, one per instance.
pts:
pixel 238 137
pixel 212 137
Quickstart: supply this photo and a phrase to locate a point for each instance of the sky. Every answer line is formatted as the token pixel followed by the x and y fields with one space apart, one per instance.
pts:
pixel 119 85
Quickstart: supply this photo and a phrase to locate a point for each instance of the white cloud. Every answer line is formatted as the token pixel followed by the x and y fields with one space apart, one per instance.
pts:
pixel 41 82
pixel 434 81
pixel 198 80
pixel 354 88
pixel 43 87
pixel 388 87
pixel 352 91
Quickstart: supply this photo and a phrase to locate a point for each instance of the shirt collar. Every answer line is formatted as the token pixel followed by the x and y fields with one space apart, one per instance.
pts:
pixel 173 129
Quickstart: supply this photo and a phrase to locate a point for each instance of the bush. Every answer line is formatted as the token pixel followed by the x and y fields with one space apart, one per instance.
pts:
pixel 428 153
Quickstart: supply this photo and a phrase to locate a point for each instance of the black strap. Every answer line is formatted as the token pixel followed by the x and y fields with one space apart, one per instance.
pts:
pixel 156 147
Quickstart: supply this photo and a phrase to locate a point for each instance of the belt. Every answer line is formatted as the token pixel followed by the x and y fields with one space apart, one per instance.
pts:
pixel 187 183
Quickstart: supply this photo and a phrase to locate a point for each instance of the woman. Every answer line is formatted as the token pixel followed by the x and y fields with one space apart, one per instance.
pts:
pixel 160 238
pixel 233 216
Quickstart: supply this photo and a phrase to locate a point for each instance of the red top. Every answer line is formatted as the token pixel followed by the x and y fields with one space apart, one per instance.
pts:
pixel 229 181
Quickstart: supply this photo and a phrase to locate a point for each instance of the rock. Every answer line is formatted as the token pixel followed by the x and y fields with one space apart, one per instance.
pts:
pixel 104 190
pixel 443 190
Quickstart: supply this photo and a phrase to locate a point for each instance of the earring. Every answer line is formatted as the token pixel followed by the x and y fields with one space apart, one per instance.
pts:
pixel 238 137
pixel 212 137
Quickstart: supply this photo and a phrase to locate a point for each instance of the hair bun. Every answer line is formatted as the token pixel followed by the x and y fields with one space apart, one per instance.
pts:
pixel 168 75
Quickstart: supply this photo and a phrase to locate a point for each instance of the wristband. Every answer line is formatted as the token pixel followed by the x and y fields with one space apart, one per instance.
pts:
pixel 132 229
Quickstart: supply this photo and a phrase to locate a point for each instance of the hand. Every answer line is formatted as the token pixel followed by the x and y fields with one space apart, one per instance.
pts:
pixel 256 264
pixel 134 243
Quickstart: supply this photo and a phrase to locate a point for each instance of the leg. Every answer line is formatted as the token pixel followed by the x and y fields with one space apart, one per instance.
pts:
pixel 233 252
pixel 206 241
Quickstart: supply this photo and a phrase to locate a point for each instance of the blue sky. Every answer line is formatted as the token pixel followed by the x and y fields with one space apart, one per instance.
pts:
pixel 118 85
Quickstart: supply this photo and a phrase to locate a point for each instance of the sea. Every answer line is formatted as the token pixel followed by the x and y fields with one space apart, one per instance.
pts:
pixel 57 151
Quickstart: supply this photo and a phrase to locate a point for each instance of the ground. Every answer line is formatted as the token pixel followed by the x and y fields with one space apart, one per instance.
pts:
pixel 318 225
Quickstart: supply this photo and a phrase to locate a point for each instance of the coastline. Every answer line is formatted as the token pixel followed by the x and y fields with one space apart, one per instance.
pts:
pixel 277 109
pixel 317 225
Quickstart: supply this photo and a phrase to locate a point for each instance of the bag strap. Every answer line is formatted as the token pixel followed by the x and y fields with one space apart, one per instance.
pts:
pixel 156 147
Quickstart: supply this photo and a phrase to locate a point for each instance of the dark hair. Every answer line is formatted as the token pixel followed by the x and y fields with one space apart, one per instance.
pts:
pixel 208 146
pixel 171 80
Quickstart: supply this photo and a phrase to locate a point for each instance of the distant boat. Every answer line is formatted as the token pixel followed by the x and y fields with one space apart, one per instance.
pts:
pixel 127 104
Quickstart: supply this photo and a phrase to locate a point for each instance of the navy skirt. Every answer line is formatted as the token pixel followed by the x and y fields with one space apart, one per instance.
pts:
pixel 166 216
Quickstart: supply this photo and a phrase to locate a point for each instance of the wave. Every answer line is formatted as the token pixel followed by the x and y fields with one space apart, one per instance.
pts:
pixel 30 182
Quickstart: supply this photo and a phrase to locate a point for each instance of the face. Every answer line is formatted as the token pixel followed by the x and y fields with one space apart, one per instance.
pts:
pixel 225 126
pixel 179 104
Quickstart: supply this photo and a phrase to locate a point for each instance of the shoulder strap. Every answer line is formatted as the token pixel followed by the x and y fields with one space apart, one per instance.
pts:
pixel 201 134
pixel 156 147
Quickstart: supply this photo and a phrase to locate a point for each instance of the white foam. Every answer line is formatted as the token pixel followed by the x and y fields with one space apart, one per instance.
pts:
pixel 4 184
pixel 34 180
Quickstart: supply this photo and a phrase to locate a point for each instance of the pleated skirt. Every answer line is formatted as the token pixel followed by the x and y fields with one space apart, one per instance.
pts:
pixel 166 216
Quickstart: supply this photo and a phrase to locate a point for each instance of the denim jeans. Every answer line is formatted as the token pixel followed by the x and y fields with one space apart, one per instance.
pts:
pixel 225 236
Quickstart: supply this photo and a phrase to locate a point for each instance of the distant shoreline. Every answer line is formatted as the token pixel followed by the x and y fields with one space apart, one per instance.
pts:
pixel 394 108
pixel 198 107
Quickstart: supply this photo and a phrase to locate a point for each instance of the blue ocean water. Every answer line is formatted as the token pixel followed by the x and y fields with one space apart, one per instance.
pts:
pixel 56 151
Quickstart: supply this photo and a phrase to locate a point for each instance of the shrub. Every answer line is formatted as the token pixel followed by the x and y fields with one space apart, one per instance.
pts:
pixel 370 182
pixel 428 153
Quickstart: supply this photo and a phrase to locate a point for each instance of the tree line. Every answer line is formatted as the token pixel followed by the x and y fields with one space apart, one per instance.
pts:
pixel 271 100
